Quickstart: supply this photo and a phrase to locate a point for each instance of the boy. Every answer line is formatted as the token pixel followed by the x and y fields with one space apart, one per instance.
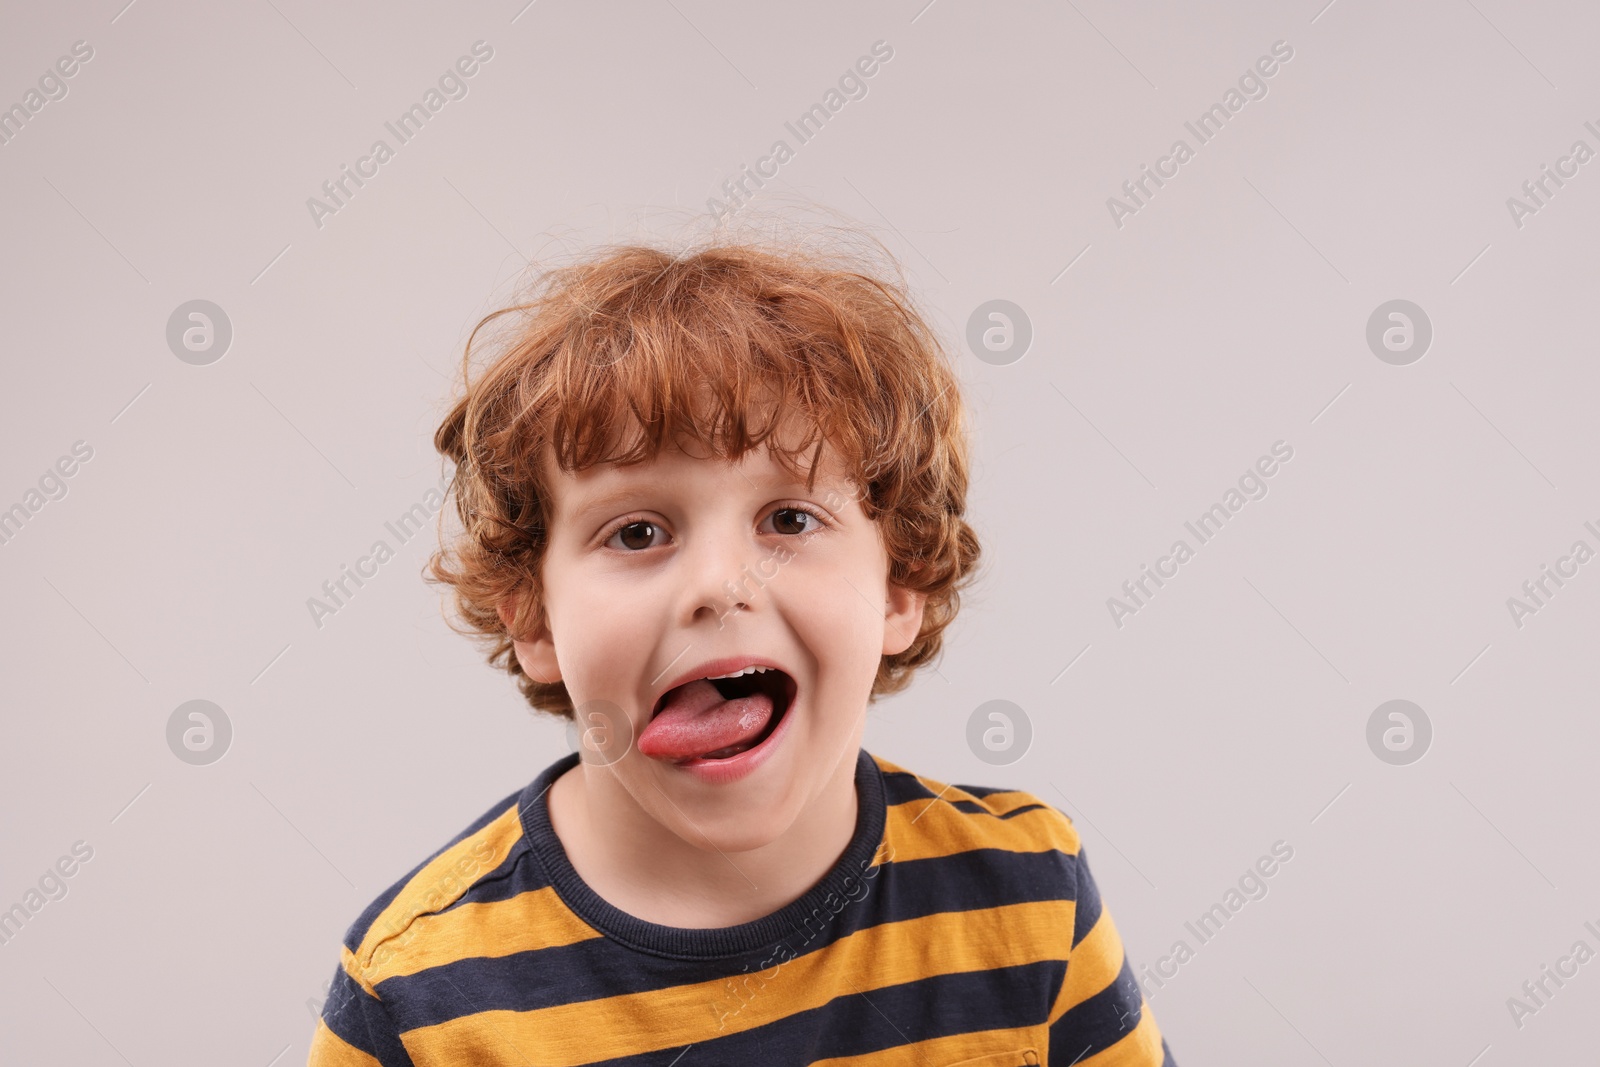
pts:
pixel 712 507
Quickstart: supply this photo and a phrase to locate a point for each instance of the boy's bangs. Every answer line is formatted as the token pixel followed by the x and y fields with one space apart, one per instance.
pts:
pixel 725 402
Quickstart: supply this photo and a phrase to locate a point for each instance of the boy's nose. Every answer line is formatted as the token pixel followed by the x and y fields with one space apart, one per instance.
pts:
pixel 720 574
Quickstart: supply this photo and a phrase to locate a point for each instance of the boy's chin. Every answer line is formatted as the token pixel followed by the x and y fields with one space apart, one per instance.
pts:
pixel 737 833
pixel 728 823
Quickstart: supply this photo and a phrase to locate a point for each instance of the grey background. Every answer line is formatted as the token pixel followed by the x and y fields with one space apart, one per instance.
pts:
pixel 1228 314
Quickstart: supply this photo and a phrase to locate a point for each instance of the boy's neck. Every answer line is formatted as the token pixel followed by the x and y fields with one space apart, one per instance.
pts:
pixel 605 832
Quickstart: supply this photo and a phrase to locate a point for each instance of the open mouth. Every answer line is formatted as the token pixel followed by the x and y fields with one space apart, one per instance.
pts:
pixel 737 716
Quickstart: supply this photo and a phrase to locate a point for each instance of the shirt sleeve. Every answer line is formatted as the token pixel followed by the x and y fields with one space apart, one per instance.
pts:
pixel 1100 1018
pixel 355 1030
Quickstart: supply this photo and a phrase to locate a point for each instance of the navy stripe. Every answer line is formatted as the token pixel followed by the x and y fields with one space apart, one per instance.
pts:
pixel 527 981
pixel 981 791
pixel 972 807
pixel 1087 894
pixel 362 1022
pixel 942 1005
pixel 857 1024
pixel 600 967
pixel 518 873
pixel 1099 1022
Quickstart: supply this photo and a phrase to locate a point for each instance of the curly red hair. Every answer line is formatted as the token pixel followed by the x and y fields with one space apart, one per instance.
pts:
pixel 637 346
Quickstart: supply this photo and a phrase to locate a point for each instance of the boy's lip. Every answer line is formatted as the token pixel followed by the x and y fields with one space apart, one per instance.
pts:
pixel 725 665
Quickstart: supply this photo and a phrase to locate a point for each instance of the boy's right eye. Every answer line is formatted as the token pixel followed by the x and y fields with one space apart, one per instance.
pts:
pixel 632 534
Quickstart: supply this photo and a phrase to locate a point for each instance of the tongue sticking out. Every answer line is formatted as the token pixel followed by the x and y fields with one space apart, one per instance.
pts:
pixel 698 722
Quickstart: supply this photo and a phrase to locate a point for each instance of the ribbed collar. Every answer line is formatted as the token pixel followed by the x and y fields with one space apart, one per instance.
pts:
pixel 680 943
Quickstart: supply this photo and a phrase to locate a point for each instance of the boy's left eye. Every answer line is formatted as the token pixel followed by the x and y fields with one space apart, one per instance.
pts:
pixel 636 535
pixel 632 532
pixel 796 516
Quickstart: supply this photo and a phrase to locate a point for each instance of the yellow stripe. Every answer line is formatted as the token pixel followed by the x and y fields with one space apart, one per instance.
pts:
pixel 923 829
pixel 635 1023
pixel 1091 967
pixel 437 885
pixel 328 1049
pixel 527 922
pixel 1140 1048
pixel 960 1050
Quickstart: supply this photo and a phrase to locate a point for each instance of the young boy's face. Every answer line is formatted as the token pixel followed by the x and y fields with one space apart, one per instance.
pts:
pixel 643 574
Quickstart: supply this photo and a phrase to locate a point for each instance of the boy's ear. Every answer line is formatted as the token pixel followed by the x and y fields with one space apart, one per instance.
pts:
pixel 902 618
pixel 536 651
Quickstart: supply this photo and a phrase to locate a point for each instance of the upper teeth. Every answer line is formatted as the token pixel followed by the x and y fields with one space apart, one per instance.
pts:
pixel 735 674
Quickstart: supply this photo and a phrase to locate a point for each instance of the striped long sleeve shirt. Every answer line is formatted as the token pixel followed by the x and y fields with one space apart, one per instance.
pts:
pixel 960 926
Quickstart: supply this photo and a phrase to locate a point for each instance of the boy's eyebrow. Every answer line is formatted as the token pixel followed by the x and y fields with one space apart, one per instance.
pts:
pixel 608 499
pixel 603 501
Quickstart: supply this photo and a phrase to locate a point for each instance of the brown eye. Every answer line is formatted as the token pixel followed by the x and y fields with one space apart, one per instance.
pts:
pixel 785 518
pixel 635 532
